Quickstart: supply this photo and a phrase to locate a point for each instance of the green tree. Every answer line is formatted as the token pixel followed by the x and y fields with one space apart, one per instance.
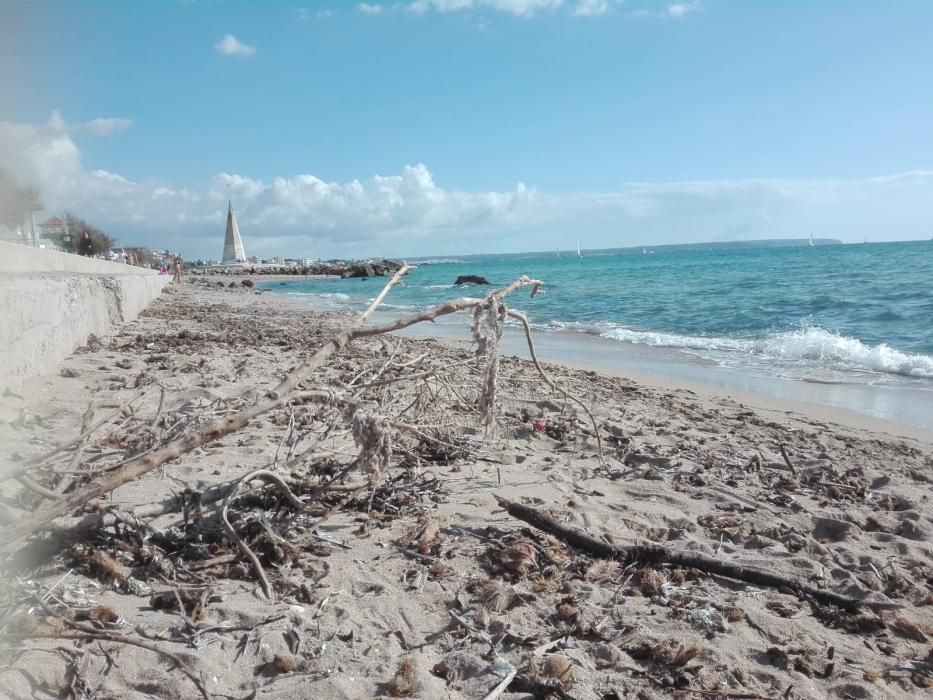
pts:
pixel 17 201
pixel 76 227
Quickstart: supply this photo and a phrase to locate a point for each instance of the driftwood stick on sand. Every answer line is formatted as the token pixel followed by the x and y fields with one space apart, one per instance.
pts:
pixel 293 500
pixel 547 380
pixel 501 687
pixel 656 555
pixel 75 463
pixel 220 427
pixel 790 465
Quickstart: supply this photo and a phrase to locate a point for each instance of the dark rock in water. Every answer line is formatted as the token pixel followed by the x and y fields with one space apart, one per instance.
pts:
pixel 247 283
pixel 380 268
pixel 471 279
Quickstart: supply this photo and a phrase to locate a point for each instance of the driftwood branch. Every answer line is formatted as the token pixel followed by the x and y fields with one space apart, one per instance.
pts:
pixel 656 555
pixel 293 500
pixel 401 272
pixel 547 380
pixel 75 462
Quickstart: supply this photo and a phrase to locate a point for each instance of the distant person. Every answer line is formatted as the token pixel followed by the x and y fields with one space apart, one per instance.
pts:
pixel 176 264
pixel 86 245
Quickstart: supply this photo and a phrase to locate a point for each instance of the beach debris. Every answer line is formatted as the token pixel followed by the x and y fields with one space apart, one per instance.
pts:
pixel 424 538
pixel 553 670
pixel 373 436
pixel 404 683
pixel 517 558
pixel 488 324
pixel 494 596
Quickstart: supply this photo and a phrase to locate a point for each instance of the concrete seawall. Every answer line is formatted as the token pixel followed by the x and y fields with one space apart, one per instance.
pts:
pixel 51 302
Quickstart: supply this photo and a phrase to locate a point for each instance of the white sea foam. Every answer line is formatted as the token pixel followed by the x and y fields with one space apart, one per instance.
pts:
pixel 438 286
pixel 336 296
pixel 809 344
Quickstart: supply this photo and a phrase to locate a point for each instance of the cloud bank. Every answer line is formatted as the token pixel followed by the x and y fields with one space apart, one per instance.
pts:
pixel 412 213
pixel 518 8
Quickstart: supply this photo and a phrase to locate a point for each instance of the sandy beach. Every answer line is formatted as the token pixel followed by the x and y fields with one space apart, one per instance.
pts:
pixel 400 573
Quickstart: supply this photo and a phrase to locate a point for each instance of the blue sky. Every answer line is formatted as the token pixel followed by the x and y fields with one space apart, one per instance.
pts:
pixel 454 126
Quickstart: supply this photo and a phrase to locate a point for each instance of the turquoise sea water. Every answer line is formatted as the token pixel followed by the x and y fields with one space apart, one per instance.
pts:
pixel 835 313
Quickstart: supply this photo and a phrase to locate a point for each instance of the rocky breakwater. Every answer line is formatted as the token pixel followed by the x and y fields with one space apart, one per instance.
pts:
pixel 368 268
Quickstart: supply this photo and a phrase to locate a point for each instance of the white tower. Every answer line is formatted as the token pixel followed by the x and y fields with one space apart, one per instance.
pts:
pixel 233 244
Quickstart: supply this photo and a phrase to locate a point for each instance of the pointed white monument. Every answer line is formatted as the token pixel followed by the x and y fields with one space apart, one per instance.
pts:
pixel 233 244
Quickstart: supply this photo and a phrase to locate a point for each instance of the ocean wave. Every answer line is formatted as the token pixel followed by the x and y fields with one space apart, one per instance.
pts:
pixel 438 286
pixel 399 307
pixel 810 343
pixel 317 295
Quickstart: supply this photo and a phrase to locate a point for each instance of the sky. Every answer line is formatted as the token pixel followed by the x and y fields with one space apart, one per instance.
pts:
pixel 445 127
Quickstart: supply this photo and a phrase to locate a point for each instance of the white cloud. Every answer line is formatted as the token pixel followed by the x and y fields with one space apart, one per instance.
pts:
pixel 56 121
pixel 680 9
pixel 518 8
pixel 411 213
pixel 231 46
pixel 676 10
pixel 107 126
pixel 102 126
pixel 591 8
pixel 303 14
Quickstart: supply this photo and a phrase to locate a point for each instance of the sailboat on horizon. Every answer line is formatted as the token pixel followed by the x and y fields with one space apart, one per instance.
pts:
pixel 811 241
pixel 579 254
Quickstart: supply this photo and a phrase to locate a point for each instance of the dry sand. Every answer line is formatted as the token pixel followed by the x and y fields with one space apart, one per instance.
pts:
pixel 423 585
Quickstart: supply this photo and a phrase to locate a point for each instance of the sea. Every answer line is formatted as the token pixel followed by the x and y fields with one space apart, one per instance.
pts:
pixel 841 325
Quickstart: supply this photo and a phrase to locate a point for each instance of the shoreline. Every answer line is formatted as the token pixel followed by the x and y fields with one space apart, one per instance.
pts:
pixel 514 344
pixel 903 403
pixel 672 369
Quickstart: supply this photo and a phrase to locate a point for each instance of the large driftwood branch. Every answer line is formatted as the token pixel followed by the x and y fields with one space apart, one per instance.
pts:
pixel 656 555
pixel 11 534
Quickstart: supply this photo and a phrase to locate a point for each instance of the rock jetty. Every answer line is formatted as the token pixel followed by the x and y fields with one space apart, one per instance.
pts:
pixel 369 268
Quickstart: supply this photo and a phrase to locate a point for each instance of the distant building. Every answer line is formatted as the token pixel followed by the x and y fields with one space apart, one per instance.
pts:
pixel 55 231
pixel 52 227
pixel 233 243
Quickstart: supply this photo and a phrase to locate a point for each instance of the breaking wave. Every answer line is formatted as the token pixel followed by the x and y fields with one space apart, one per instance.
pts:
pixel 810 344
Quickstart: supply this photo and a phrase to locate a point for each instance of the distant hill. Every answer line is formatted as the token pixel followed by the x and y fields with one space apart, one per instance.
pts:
pixel 763 243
